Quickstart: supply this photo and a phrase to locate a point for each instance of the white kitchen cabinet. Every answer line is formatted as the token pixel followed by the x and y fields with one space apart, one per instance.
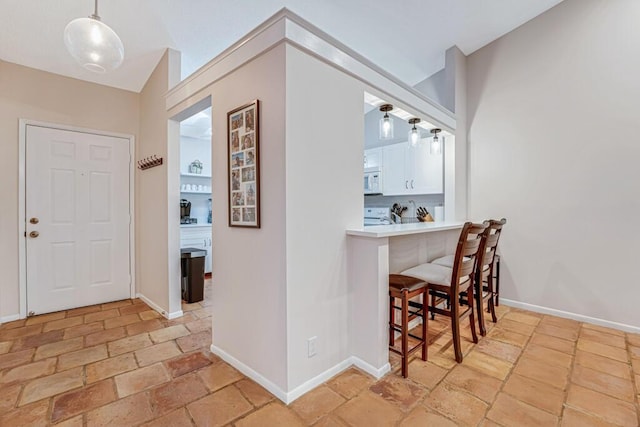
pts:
pixel 410 170
pixel 373 157
pixel 198 237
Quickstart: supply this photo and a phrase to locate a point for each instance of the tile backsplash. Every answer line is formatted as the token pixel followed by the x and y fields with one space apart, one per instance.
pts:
pixel 428 201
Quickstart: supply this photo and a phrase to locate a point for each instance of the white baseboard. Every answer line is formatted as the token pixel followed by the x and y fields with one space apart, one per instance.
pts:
pixel 288 397
pixel 159 309
pixel 9 318
pixel 569 315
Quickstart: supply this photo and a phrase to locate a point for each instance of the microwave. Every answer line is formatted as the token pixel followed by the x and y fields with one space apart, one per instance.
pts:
pixel 372 181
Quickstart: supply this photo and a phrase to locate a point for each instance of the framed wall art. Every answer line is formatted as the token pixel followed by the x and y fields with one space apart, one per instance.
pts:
pixel 243 143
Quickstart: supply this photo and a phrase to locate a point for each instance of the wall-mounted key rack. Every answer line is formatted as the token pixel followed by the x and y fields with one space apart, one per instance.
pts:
pixel 149 162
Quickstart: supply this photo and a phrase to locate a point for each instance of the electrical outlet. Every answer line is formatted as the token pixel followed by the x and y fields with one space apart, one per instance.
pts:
pixel 311 346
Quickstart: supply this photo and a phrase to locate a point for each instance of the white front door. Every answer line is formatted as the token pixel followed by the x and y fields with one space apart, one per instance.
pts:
pixel 77 219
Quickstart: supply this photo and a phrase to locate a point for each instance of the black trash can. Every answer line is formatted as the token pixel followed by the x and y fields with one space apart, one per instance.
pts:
pixel 192 266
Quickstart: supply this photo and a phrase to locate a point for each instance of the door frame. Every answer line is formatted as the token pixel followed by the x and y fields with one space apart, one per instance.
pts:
pixel 22 215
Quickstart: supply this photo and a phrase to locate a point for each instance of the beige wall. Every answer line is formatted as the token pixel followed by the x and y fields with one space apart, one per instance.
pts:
pixel 157 271
pixel 553 129
pixel 36 95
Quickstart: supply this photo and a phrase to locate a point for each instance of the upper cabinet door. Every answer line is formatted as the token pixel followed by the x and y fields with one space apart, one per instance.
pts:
pixel 373 157
pixel 427 169
pixel 394 174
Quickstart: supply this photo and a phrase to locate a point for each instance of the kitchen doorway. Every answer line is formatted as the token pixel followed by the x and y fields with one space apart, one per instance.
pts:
pixel 76 226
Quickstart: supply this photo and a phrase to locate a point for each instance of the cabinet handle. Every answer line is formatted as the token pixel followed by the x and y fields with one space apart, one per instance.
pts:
pixel 411 183
pixel 406 185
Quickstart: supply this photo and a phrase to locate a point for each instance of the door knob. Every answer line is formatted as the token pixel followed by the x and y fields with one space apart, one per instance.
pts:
pixel 34 220
pixel 34 234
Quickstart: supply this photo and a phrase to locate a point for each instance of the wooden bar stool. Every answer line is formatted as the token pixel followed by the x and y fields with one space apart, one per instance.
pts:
pixel 405 288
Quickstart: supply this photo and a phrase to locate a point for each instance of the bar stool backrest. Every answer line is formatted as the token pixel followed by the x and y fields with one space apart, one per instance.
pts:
pixel 466 256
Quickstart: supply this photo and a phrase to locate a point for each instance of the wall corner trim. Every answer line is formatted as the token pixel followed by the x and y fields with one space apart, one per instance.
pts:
pixel 569 315
pixel 9 318
pixel 159 309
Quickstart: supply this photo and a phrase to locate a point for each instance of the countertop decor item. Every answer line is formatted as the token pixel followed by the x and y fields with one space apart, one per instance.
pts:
pixel 243 150
pixel 195 167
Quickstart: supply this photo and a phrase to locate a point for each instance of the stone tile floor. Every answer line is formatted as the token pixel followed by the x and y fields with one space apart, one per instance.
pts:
pixel 121 364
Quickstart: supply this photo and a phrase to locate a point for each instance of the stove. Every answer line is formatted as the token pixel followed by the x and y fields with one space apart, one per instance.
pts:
pixel 377 216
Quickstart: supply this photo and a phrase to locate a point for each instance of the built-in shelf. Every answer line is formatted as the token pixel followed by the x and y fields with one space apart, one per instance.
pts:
pixel 195 175
pixel 205 224
pixel 195 192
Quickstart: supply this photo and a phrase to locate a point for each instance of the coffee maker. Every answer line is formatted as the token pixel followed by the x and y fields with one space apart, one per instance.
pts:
pixel 185 212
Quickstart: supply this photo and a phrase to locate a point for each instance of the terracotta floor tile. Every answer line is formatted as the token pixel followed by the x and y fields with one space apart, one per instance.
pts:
pixel 9 396
pixel 220 408
pixel 508 336
pixel 149 314
pixel 552 357
pixel 421 417
pixel 133 309
pixel 51 385
pixel 368 409
pixel 143 326
pixel 104 336
pixel 330 421
pixel 398 391
pixel 634 339
pixel 81 330
pixel 521 317
pixel 561 322
pixel 82 357
pixel 513 326
pixel 24 331
pixel 157 353
pixel 487 364
pixel 101 315
pixel 219 375
pixel 43 318
pixel 635 351
pixel 554 343
pixel 76 421
pixel 191 307
pixel 254 392
pixel 33 341
pixel 129 411
pixel 128 344
pixel 34 415
pixel 555 376
pixel 116 304
pixel 482 386
pixel 350 382
pixel 195 341
pixel 604 338
pixel 511 412
pixel 13 324
pixel 615 353
pixel 317 403
pixel 114 322
pixel 603 406
pixel 187 363
pixel 426 373
pixel 62 324
pixel 499 349
pixel 87 398
pixel 57 348
pixel 488 423
pixel 141 379
pixel 170 333
pixel 177 393
pixel 603 329
pixel 110 367
pixel 574 418
pixel 558 332
pixel 186 318
pixel 29 371
pixel 199 325
pixel 18 358
pixel 602 364
pixel 83 310
pixel 636 366
pixel 457 405
pixel 177 418
pixel 5 346
pixel 535 393
pixel 599 381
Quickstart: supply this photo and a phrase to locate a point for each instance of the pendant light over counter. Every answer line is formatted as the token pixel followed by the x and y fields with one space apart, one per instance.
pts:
pixel 436 144
pixel 414 133
pixel 386 122
pixel 94 44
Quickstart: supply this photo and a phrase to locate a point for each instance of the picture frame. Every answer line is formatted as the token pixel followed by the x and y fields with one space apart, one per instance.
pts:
pixel 243 173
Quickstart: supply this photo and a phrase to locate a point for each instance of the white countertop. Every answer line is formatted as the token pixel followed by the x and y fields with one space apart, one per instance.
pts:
pixel 195 225
pixel 404 229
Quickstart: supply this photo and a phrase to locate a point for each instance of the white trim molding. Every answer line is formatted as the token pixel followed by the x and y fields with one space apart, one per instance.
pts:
pixel 156 307
pixel 569 315
pixel 9 318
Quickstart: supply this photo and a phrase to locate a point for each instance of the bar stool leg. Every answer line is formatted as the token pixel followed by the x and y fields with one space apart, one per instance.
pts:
pixel 392 321
pixel 405 334
pixel 425 317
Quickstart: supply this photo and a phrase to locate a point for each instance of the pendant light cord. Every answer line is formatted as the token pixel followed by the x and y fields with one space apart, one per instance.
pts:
pixel 95 13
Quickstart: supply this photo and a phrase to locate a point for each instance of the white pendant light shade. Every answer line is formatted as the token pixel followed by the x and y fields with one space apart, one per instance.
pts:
pixel 386 122
pixel 436 142
pixel 414 133
pixel 94 44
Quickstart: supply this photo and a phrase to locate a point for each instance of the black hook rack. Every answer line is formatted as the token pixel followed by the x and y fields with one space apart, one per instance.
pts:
pixel 149 162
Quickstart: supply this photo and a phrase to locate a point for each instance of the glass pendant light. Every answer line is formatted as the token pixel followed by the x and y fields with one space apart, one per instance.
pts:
pixel 94 44
pixel 436 144
pixel 414 133
pixel 386 122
